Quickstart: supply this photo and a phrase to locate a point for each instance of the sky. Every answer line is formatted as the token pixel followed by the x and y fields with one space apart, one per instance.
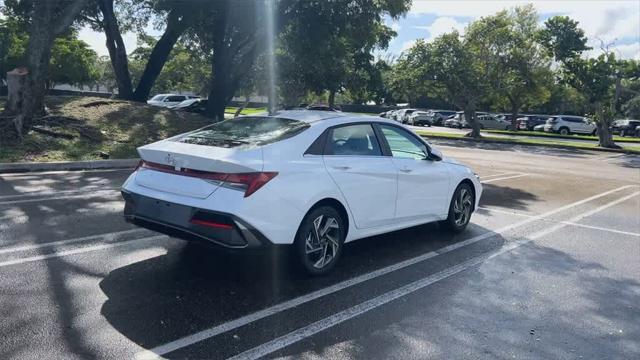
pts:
pixel 612 22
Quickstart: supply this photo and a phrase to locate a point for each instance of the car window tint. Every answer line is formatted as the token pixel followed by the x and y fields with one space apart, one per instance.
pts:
pixel 245 132
pixel 158 98
pixel 403 144
pixel 357 139
pixel 175 98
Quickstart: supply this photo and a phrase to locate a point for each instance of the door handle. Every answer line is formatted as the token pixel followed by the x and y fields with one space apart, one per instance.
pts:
pixel 342 167
pixel 406 170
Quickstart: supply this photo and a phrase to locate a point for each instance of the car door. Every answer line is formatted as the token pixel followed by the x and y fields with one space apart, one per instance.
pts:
pixel 366 178
pixel 423 184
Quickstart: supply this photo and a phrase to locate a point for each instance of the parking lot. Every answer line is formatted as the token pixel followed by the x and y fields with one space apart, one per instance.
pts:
pixel 549 268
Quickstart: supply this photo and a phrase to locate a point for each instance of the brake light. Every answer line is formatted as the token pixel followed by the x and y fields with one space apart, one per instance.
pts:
pixel 249 182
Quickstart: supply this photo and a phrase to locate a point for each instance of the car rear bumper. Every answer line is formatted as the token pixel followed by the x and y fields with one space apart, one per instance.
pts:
pixel 191 223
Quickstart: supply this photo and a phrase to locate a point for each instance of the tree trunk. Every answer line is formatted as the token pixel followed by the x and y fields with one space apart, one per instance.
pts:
pixel 159 55
pixel 247 99
pixel 515 109
pixel 117 49
pixel 332 98
pixel 604 135
pixel 470 117
pixel 219 88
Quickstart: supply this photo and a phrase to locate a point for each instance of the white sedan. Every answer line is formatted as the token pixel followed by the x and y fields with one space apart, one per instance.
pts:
pixel 311 179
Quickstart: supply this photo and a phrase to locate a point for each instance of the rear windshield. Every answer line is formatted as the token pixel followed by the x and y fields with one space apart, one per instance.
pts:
pixel 158 98
pixel 245 132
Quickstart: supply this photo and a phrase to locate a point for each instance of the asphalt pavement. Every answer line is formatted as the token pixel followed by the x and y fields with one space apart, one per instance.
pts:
pixel 548 269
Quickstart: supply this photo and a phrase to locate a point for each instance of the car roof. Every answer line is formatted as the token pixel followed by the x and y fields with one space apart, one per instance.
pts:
pixel 315 116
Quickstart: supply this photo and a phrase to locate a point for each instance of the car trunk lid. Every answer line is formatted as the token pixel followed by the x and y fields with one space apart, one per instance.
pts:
pixel 192 170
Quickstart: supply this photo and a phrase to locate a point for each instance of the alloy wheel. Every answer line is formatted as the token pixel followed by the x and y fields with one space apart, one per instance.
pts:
pixel 462 207
pixel 322 242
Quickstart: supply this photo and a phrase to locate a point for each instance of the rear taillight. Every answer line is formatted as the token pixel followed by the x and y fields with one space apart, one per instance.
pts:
pixel 248 182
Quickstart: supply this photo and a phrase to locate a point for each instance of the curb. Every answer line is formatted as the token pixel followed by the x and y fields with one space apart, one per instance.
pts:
pixel 6 168
pixel 510 142
pixel 557 136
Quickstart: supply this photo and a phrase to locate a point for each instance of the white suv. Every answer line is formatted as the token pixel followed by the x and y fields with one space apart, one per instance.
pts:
pixel 567 124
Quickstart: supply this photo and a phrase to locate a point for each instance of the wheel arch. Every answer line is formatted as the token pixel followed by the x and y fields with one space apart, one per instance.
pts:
pixel 336 204
pixel 473 190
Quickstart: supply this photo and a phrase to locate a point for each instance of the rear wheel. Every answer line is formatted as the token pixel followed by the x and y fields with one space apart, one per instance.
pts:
pixel 460 208
pixel 564 131
pixel 320 239
pixel 622 133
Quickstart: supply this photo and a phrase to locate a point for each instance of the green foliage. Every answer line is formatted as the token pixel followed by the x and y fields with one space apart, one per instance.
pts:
pixel 72 62
pixel 328 43
pixel 185 69
pixel 562 38
pixel 631 108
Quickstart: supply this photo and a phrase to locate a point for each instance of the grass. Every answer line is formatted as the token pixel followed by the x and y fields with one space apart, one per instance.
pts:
pixel 558 136
pixel 245 111
pixel 113 127
pixel 539 142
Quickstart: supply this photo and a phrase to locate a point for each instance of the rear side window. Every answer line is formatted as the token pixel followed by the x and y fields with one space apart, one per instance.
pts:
pixel 357 139
pixel 245 132
pixel 175 98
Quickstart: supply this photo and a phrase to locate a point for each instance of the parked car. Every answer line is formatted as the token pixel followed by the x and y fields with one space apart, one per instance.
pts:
pixel 420 118
pixel 540 127
pixel 167 100
pixel 625 127
pixel 191 105
pixel 496 122
pixel 459 121
pixel 569 124
pixel 402 115
pixel 528 122
pixel 439 116
pixel 309 179
pixel 637 131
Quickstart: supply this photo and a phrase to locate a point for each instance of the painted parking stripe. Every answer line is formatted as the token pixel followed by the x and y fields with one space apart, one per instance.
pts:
pixel 564 222
pixel 495 175
pixel 275 309
pixel 104 237
pixel 98 193
pixel 58 192
pixel 504 178
pixel 340 317
pixel 82 250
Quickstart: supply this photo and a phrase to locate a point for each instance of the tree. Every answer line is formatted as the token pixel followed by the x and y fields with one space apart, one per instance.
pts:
pixel 48 20
pixel 459 75
pixel 562 38
pixel 516 66
pixel 72 62
pixel 328 43
pixel 177 15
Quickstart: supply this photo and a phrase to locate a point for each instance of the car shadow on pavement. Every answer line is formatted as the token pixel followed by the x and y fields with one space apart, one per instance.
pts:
pixel 506 197
pixel 513 306
pixel 185 291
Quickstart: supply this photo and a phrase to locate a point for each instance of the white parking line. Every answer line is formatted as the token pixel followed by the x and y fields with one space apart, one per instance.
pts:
pixel 495 175
pixel 504 178
pixel 338 318
pixel 91 194
pixel 105 237
pixel 563 222
pixel 58 192
pixel 58 254
pixel 158 351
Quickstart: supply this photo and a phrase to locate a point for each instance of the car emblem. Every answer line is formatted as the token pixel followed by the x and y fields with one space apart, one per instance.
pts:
pixel 172 161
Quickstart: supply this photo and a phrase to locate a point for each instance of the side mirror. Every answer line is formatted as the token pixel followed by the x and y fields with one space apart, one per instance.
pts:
pixel 434 154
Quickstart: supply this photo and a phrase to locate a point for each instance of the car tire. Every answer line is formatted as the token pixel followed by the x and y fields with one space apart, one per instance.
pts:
pixel 319 241
pixel 622 133
pixel 458 218
pixel 564 131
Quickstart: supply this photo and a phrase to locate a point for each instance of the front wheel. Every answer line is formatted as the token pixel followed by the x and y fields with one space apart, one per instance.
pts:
pixel 622 133
pixel 460 208
pixel 319 240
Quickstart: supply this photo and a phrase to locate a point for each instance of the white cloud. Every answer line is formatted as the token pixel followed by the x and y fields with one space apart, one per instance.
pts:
pixel 407 45
pixel 443 25
pixel 610 21
pixel 395 26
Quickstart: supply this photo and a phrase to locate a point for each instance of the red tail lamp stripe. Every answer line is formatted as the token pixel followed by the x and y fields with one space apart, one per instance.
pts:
pixel 211 224
pixel 252 180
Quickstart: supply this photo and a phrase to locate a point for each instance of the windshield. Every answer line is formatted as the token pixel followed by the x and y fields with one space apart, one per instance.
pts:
pixel 158 98
pixel 245 132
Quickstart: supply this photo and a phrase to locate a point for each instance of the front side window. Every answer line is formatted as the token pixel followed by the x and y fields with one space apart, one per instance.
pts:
pixel 403 144
pixel 175 98
pixel 357 139
pixel 245 132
